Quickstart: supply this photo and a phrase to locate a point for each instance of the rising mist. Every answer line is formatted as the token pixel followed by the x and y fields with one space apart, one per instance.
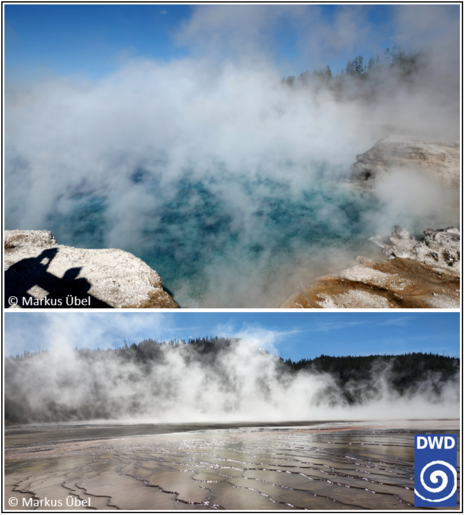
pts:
pixel 224 380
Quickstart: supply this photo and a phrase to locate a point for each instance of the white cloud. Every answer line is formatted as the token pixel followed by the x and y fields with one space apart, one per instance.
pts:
pixel 255 335
pixel 62 331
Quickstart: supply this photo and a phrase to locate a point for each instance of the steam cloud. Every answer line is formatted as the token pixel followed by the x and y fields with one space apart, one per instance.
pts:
pixel 238 383
pixel 227 132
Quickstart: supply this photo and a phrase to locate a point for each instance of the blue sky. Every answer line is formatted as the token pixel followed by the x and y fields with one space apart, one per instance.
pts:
pixel 292 335
pixel 94 40
pixel 89 39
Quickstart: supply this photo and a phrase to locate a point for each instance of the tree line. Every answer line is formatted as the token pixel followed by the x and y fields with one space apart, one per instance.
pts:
pixel 353 374
pixel 366 76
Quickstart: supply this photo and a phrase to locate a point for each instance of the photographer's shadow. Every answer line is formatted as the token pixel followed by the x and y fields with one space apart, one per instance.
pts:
pixel 28 273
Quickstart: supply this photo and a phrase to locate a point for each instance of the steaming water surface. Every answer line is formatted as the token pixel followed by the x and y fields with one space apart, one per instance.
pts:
pixel 334 466
pixel 253 248
pixel 225 181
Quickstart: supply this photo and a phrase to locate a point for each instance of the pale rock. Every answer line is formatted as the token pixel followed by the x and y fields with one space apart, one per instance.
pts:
pixel 439 248
pixel 36 267
pixel 439 160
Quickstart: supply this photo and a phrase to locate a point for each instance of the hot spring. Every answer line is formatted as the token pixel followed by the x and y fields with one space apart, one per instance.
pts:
pixel 227 182
pixel 250 248
pixel 209 255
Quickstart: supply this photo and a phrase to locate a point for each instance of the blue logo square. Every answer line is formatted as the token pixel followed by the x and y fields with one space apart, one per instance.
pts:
pixel 435 471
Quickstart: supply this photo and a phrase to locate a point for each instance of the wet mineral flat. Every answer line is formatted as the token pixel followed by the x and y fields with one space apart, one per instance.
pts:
pixel 328 467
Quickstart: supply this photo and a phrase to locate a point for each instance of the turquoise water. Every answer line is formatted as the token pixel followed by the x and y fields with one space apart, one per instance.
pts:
pixel 212 250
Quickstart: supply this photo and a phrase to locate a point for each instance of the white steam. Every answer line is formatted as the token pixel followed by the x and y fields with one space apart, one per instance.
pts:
pixel 242 383
pixel 66 138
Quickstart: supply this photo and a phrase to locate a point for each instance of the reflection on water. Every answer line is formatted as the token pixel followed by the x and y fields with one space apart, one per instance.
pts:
pixel 238 469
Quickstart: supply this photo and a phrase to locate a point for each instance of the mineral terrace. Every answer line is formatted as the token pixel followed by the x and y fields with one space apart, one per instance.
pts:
pixel 417 274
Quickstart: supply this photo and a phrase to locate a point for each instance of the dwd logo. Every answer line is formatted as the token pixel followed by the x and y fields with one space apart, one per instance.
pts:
pixel 436 470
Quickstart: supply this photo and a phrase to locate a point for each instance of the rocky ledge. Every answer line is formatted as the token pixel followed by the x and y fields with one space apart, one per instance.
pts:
pixel 417 274
pixel 439 160
pixel 40 273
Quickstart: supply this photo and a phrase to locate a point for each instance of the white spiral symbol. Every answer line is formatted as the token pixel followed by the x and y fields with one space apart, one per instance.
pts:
pixel 434 478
